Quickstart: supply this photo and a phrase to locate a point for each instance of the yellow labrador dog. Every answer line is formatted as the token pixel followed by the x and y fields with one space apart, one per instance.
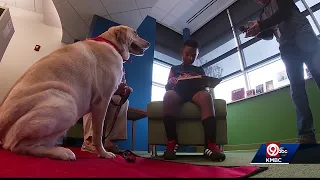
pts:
pixel 61 88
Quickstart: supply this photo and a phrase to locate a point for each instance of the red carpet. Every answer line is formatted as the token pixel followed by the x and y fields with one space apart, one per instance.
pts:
pixel 88 165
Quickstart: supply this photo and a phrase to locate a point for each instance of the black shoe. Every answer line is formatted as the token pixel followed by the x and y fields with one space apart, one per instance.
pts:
pixel 308 139
pixel 170 153
pixel 213 153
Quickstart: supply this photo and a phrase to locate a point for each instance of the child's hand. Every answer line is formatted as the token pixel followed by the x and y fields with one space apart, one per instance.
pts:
pixel 173 80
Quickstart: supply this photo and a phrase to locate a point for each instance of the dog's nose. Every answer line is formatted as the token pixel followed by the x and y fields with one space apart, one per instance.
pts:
pixel 149 44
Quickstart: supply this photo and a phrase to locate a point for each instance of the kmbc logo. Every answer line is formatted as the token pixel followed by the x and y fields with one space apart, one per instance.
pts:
pixel 274 152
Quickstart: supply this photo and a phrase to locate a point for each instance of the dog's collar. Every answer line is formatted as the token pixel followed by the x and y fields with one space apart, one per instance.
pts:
pixel 101 39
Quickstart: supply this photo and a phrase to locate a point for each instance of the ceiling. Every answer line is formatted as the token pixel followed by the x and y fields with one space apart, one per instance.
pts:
pixel 76 15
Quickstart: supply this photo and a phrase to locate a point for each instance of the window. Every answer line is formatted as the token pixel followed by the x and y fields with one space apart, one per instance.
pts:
pixel 157 93
pixel 216 39
pixel 269 72
pixel 314 27
pixel 317 16
pixel 224 89
pixel 230 44
pixel 260 51
pixel 226 66
pixel 311 3
pixel 222 45
pixel 160 75
pixel 301 6
pixel 275 71
pixel 244 39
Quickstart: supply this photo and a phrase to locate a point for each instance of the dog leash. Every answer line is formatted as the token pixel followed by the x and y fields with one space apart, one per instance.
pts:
pixel 129 156
pixel 115 117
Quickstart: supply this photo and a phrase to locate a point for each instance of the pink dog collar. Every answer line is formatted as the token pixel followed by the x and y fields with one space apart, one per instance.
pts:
pixel 101 39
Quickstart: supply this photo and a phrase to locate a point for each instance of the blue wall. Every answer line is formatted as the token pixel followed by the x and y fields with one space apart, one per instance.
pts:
pixel 138 75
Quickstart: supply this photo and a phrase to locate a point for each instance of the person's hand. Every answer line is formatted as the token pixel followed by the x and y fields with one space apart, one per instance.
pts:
pixel 124 90
pixel 121 88
pixel 254 29
pixel 173 80
pixel 122 85
pixel 128 88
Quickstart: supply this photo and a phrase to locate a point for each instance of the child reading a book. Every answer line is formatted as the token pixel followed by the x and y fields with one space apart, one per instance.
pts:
pixel 176 97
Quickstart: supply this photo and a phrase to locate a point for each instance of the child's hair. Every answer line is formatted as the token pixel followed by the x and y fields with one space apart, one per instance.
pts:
pixel 191 43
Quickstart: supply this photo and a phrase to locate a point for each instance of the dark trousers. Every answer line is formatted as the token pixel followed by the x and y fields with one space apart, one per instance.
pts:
pixel 303 48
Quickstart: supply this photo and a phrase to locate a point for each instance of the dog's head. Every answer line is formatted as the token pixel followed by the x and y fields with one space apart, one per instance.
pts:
pixel 128 41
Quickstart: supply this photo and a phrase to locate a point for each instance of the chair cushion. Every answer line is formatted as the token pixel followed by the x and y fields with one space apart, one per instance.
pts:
pixel 188 110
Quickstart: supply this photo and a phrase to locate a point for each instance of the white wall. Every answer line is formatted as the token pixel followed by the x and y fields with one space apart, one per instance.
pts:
pixel 19 56
pixel 50 14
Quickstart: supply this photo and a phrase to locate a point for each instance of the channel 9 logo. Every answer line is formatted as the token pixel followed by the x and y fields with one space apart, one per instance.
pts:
pixel 275 153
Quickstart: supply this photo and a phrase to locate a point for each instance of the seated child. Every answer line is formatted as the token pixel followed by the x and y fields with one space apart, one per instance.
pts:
pixel 175 98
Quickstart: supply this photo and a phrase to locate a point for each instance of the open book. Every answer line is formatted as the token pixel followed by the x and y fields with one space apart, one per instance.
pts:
pixel 190 77
pixel 197 82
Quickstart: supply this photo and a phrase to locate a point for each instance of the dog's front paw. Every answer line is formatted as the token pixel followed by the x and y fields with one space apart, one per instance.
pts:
pixel 63 154
pixel 107 155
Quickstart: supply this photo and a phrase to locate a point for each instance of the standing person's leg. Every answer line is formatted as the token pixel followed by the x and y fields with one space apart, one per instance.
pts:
pixel 87 133
pixel 290 55
pixel 115 130
pixel 171 107
pixel 204 100
pixel 309 45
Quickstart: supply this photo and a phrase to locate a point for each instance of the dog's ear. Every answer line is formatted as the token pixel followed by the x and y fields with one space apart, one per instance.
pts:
pixel 121 35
